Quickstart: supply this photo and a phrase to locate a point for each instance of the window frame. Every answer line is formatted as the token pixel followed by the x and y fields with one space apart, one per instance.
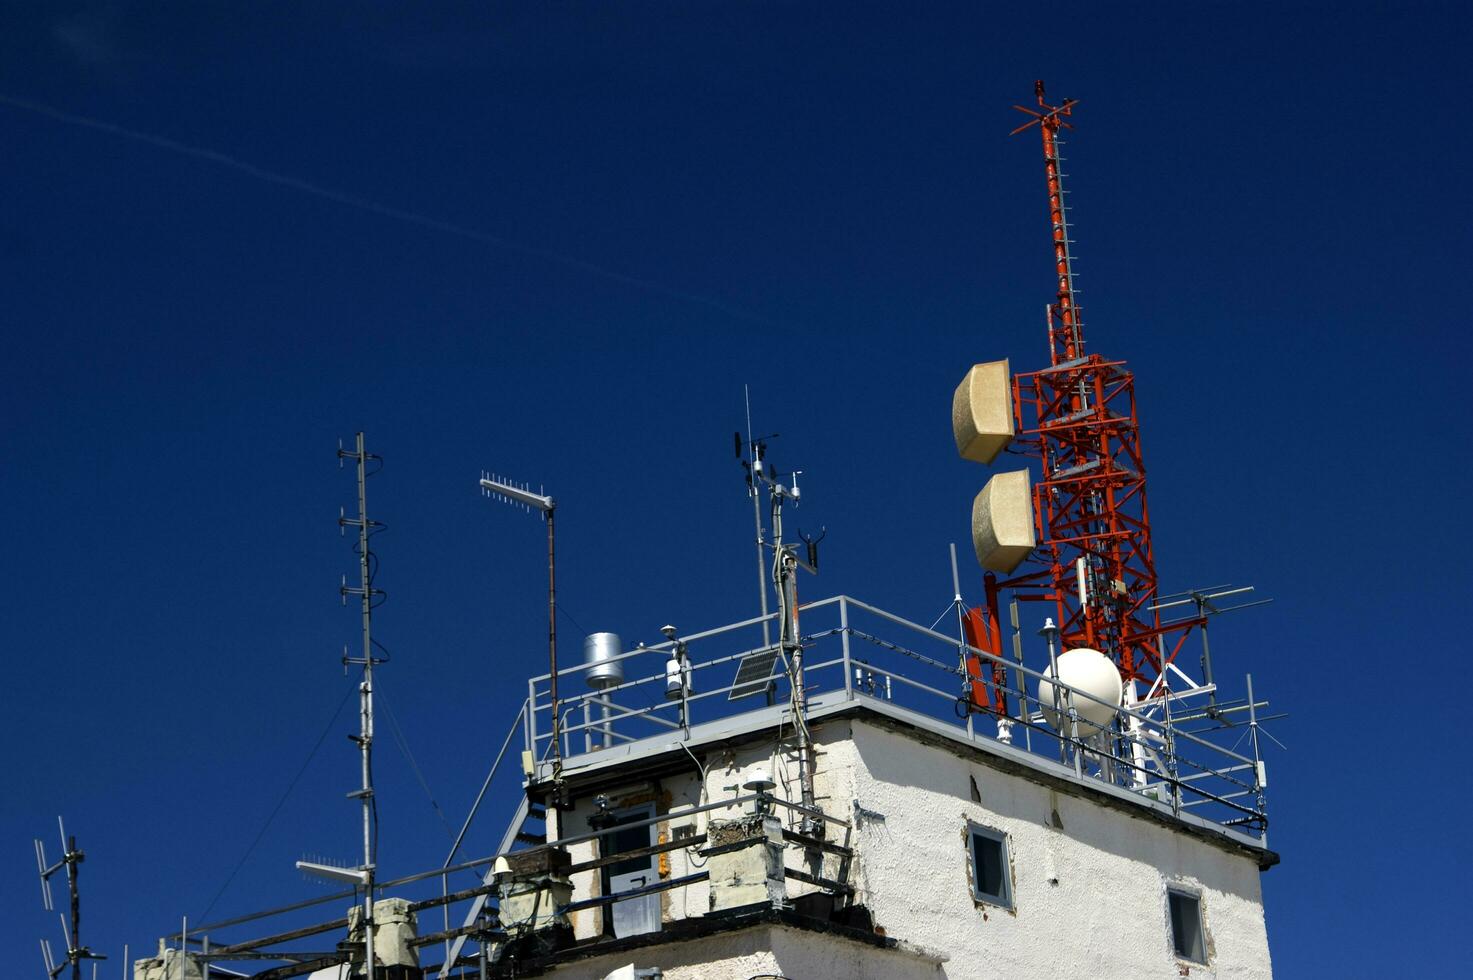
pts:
pixel 1175 891
pixel 1000 838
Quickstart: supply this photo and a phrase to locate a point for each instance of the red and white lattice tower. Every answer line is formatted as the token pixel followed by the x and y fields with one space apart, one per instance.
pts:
pixel 1090 549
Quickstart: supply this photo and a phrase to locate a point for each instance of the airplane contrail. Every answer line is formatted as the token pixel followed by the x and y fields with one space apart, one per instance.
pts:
pixel 374 207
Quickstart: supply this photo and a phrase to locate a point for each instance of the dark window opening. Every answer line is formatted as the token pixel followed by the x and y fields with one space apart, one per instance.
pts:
pixel 1186 926
pixel 991 880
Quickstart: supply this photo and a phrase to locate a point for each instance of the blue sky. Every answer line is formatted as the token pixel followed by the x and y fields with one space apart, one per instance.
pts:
pixel 556 240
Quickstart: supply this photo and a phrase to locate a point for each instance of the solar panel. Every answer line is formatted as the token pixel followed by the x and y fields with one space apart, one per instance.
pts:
pixel 754 674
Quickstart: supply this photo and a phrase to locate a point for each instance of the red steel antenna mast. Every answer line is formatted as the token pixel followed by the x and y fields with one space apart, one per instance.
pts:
pixel 1077 417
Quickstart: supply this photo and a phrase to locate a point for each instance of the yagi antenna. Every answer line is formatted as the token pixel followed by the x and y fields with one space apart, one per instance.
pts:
pixel 516 494
pixel 522 496
pixel 356 877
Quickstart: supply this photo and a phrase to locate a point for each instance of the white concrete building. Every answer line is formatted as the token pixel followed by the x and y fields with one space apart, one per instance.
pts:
pixel 1077 875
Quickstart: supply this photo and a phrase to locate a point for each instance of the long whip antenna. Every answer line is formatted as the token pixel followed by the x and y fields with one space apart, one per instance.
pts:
pixel 754 473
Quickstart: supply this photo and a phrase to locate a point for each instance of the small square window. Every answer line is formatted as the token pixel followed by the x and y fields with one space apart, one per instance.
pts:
pixel 991 877
pixel 1186 925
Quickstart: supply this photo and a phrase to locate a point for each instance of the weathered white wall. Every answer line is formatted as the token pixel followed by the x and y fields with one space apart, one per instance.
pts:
pixel 1089 896
pixel 671 796
pixel 674 796
pixel 1089 881
pixel 765 949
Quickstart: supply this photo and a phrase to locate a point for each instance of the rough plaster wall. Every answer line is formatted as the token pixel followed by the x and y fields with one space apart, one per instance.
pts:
pixel 805 955
pixel 671 796
pixel 681 903
pixel 833 786
pixel 734 956
pixel 1106 916
pixel 759 950
pixel 725 767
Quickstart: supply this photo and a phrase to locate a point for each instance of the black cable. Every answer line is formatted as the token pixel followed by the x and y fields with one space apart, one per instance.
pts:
pixel 403 744
pixel 277 809
pixel 577 625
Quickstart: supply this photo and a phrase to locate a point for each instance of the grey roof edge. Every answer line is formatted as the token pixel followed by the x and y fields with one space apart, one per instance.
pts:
pixel 733 920
pixel 669 754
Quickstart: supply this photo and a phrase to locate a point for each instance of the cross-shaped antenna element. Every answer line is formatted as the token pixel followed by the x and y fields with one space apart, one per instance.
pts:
pixel 1051 118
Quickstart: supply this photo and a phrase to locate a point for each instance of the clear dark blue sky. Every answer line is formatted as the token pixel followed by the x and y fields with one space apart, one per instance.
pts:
pixel 555 240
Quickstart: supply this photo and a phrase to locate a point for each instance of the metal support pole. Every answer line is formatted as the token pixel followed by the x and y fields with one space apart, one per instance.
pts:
pixel 753 482
pixel 1075 743
pixel 682 656
pixel 961 636
pixel 844 642
pixel 366 593
pixel 1050 633
pixel 1207 661
pixel 74 944
pixel 557 749
pixel 1168 736
pixel 1018 678
pixel 530 725
pixel 1259 780
pixel 761 564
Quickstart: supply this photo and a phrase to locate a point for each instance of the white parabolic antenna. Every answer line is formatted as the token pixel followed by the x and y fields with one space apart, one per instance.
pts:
pixel 1093 673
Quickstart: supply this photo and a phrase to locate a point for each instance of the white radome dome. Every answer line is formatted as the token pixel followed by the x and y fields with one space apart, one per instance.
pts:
pixel 1093 673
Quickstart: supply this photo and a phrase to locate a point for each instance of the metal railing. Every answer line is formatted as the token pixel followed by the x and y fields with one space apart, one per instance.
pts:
pixel 487 929
pixel 854 651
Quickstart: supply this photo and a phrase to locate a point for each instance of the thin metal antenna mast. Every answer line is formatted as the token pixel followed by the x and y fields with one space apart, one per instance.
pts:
pixel 784 580
pixel 71 859
pixel 753 466
pixel 545 505
pixel 367 594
